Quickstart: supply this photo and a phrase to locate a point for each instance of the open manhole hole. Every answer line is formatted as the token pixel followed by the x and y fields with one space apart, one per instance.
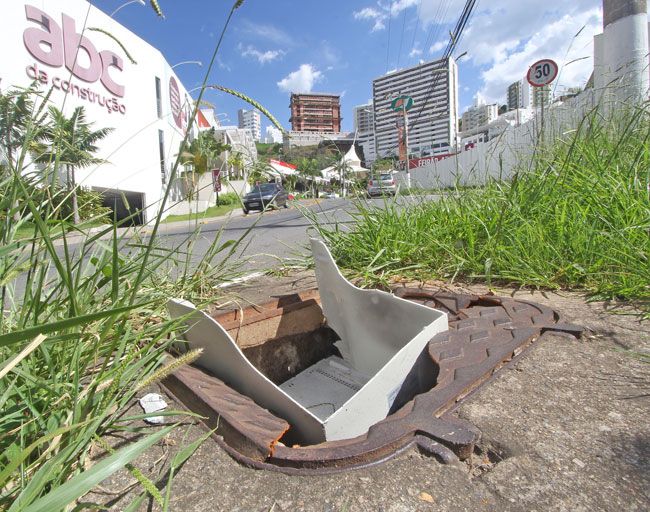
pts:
pixel 339 377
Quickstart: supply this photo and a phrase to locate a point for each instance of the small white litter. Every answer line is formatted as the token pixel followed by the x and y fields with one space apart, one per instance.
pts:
pixel 153 402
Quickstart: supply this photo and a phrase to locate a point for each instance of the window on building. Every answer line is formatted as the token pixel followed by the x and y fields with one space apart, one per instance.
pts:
pixel 161 149
pixel 158 98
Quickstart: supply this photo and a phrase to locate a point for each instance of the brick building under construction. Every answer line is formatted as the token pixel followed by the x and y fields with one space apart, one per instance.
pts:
pixel 315 112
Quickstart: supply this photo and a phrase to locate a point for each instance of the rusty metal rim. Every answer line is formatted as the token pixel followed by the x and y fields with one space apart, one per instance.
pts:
pixel 426 422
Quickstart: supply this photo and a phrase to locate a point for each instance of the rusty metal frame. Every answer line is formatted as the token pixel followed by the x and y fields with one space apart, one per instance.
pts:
pixel 485 334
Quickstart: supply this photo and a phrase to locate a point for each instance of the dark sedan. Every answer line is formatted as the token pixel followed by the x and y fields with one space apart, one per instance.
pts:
pixel 266 195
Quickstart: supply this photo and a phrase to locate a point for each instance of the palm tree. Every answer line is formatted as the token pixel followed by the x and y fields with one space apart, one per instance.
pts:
pixel 201 155
pixel 236 160
pixel 71 143
pixel 342 167
pixel 17 117
pixel 310 169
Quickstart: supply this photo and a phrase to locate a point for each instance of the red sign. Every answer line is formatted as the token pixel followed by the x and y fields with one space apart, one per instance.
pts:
pixel 414 163
pixel 175 102
pixel 543 72
pixel 216 180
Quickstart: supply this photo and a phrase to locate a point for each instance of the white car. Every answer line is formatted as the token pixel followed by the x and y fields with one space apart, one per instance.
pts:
pixel 383 184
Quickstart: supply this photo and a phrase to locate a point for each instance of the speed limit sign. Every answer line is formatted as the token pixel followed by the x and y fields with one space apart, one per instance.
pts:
pixel 541 73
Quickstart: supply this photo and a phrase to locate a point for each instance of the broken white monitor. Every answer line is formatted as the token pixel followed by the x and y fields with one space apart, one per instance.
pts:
pixel 381 338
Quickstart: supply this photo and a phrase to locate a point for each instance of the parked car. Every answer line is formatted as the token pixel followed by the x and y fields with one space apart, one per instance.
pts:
pixel 383 184
pixel 265 195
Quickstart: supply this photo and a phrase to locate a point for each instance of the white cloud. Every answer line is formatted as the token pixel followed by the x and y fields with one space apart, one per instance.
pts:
pixel 262 57
pixel 267 33
pixel 559 40
pixel 436 47
pixel 415 52
pixel 368 13
pixel 504 37
pixel 301 80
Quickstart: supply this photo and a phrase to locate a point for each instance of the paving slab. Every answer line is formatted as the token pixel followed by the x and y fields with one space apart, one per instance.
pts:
pixel 565 428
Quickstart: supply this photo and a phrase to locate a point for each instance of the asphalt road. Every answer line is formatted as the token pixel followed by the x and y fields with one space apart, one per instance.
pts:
pixel 266 237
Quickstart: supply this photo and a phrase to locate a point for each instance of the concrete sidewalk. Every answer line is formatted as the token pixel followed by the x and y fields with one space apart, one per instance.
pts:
pixel 566 428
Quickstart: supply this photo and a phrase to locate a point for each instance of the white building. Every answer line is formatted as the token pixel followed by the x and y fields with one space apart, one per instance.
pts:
pixel 251 120
pixel 292 139
pixel 523 95
pixel 240 141
pixel 364 127
pixel 433 120
pixel 273 135
pixel 145 103
pixel 479 114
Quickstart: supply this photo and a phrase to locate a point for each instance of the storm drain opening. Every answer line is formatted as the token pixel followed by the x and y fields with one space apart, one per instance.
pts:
pixel 339 377
pixel 328 387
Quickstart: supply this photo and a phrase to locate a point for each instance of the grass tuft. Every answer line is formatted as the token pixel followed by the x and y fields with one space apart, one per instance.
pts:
pixel 579 219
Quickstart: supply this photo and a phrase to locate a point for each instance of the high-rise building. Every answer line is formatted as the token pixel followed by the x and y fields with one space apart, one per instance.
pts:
pixel 250 119
pixel 523 95
pixel 433 119
pixel 364 127
pixel 315 112
pixel 479 114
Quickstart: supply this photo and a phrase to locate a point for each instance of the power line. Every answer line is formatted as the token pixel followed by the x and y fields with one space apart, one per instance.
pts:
pixel 454 38
pixel 417 24
pixel 401 39
pixel 390 15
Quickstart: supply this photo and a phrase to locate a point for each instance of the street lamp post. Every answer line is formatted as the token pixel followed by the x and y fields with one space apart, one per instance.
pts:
pixel 197 62
pixel 141 2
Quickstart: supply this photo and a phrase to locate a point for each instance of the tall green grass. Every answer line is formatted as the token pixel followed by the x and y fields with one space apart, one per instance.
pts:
pixel 578 219
pixel 83 328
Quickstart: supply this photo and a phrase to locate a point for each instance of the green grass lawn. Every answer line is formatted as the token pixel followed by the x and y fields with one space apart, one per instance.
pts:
pixel 213 211
pixel 26 230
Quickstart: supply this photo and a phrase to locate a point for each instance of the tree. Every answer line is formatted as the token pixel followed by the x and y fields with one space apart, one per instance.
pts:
pixel 309 168
pixel 236 161
pixel 342 168
pixel 200 156
pixel 16 119
pixel 503 109
pixel 259 171
pixel 70 142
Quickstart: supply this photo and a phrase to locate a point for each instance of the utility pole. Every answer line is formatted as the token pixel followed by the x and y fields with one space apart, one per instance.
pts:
pixel 623 50
pixel 406 145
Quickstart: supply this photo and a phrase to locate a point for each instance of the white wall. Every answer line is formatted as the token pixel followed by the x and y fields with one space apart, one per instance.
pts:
pixel 500 157
pixel 132 148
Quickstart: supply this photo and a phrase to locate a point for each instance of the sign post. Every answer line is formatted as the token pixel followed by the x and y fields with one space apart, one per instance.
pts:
pixel 540 74
pixel 404 103
pixel 216 182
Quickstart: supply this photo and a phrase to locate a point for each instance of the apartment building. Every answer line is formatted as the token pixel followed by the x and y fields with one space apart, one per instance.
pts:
pixel 479 114
pixel 523 95
pixel 433 119
pixel 250 120
pixel 317 112
pixel 364 127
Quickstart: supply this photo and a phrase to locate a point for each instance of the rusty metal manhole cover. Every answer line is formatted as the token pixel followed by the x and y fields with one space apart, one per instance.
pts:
pixel 485 333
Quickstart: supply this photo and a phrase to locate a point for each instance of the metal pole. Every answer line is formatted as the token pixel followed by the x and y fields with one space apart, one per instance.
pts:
pixel 406 146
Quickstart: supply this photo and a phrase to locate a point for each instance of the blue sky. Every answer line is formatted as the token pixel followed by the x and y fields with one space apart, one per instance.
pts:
pixel 340 46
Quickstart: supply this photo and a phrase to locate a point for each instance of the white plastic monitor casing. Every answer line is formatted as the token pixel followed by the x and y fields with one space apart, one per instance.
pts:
pixel 381 337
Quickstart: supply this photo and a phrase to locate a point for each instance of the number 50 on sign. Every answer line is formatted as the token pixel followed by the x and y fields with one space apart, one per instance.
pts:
pixel 541 73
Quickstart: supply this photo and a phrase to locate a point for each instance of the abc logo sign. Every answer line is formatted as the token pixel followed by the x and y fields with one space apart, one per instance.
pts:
pixel 58 45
